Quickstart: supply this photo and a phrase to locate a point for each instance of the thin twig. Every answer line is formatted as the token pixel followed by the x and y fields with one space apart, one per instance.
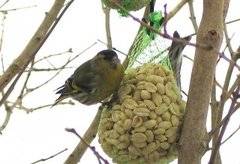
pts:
pixel 225 123
pixel 92 148
pixel 215 130
pixel 231 135
pixel 192 15
pixel 235 84
pixel 106 11
pixel 165 20
pixel 228 138
pixel 29 110
pixel 48 69
pixel 1 40
pixel 228 43
pixel 11 88
pixel 233 21
pixel 34 44
pixel 214 114
pixel 4 3
pixel 24 87
pixel 19 8
pixel 52 156
pixel 6 120
pixel 187 57
pixel 47 81
pixel 225 93
pixel 53 55
pixel 228 94
pixel 88 137
pixel 176 9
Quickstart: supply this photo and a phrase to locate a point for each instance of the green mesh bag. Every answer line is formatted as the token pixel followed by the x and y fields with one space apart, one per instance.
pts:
pixel 130 5
pixel 143 125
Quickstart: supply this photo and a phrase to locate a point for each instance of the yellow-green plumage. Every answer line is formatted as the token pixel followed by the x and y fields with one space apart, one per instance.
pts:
pixel 94 80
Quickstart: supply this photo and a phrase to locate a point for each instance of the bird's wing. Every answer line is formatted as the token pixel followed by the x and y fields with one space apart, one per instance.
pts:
pixel 86 79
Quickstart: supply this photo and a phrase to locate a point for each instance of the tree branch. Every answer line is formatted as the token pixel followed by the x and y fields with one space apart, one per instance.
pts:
pixel 32 47
pixel 106 11
pixel 80 149
pixel 99 157
pixel 219 139
pixel 50 157
pixel 176 9
pixel 192 15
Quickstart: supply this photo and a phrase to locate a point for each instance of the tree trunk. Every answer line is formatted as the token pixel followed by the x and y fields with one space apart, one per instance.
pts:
pixel 209 37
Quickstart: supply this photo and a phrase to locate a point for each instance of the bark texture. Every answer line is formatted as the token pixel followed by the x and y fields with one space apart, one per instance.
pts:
pixel 192 143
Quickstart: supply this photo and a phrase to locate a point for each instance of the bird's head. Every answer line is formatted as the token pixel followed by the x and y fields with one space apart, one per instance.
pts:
pixel 109 56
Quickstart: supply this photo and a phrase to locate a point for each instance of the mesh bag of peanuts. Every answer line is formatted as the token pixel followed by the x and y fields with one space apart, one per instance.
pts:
pixel 130 5
pixel 143 127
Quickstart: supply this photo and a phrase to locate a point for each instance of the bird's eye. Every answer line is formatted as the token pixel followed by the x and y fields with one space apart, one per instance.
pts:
pixel 108 57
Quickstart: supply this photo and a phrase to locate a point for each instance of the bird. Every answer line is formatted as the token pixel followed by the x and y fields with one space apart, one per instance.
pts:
pixel 175 56
pixel 93 81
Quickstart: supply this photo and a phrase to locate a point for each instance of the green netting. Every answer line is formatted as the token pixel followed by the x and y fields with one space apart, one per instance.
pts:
pixel 148 46
pixel 129 5
pixel 141 41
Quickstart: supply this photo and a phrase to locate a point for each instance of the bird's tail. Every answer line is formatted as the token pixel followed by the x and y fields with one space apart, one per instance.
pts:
pixel 60 90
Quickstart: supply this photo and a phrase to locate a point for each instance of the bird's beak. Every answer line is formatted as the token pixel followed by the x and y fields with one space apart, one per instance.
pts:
pixel 116 60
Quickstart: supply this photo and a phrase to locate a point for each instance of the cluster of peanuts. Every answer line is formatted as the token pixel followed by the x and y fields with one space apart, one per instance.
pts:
pixel 144 125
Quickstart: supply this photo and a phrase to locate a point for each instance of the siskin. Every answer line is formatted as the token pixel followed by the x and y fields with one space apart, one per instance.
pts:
pixel 94 80
pixel 175 56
